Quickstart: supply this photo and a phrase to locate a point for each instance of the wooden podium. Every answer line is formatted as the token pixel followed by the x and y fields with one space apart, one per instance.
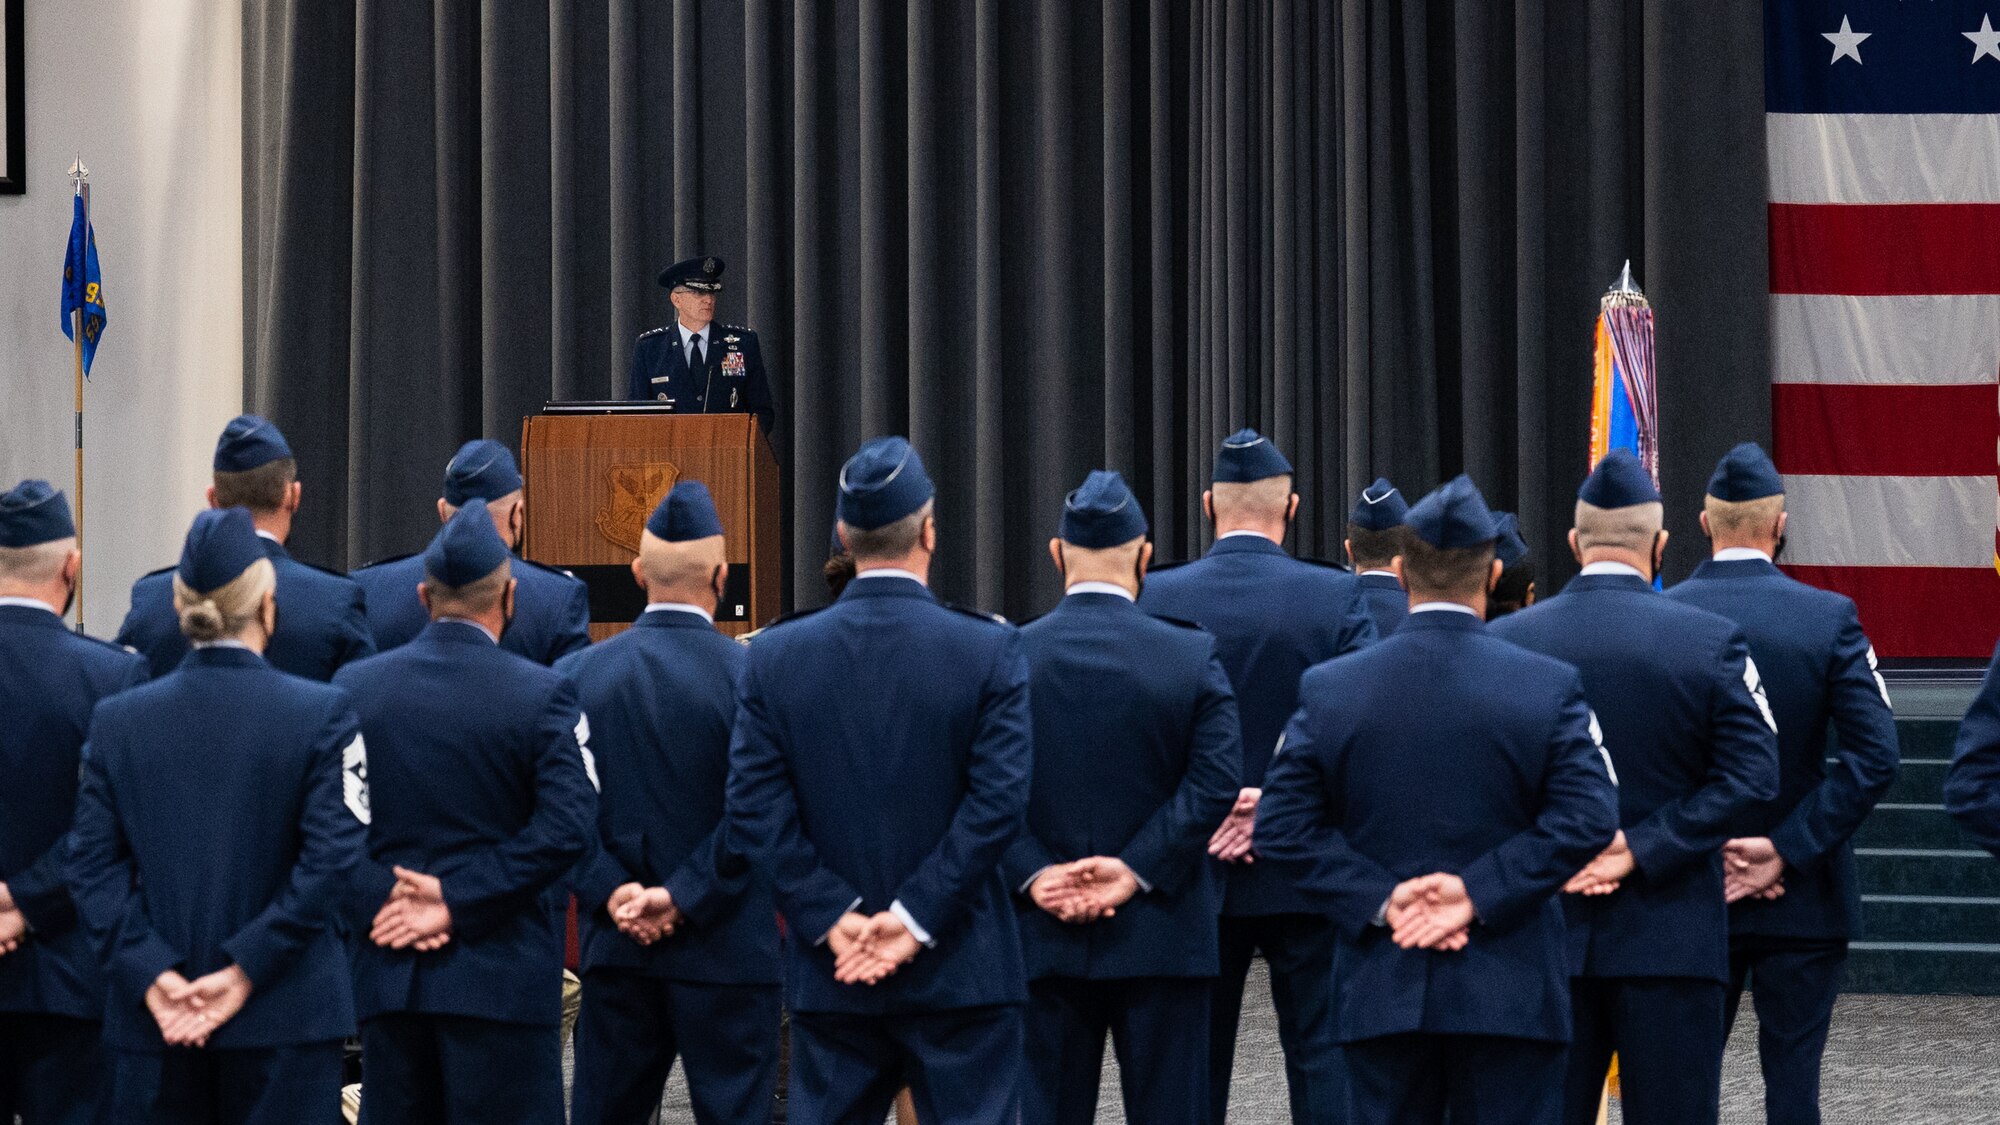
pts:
pixel 594 477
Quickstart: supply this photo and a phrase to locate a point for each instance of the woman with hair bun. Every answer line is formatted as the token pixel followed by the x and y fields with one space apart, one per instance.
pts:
pixel 222 807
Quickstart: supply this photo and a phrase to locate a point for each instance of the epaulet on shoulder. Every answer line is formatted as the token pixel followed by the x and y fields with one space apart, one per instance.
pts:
pixel 782 619
pixel 387 561
pixel 1160 566
pixel 969 611
pixel 1327 563
pixel 341 574
pixel 169 569
pixel 736 328
pixel 654 331
pixel 555 570
pixel 1180 622
pixel 114 646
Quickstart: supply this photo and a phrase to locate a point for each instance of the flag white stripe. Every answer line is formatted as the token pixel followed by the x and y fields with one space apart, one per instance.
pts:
pixel 1890 521
pixel 1906 340
pixel 1883 157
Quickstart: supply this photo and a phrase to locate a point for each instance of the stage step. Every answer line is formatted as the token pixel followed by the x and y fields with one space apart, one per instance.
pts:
pixel 1927 871
pixel 1921 781
pixel 1932 918
pixel 1910 825
pixel 1923 968
pixel 1930 898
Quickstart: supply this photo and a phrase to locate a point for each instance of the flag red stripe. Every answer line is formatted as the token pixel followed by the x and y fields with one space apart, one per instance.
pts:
pixel 1881 249
pixel 1885 429
pixel 1918 611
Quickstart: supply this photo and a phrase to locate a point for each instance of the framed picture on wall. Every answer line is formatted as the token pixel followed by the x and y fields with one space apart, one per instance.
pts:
pixel 13 102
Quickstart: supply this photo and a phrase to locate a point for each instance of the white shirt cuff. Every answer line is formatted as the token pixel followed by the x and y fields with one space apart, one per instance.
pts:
pixel 850 909
pixel 922 935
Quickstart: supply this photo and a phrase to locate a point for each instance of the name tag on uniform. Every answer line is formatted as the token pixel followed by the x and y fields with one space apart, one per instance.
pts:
pixel 661 379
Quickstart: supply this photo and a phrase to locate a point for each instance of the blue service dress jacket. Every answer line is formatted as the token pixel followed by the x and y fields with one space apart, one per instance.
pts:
pixel 1136 756
pixel 322 622
pixel 1819 673
pixel 732 379
pixel 1388 602
pixel 660 699
pixel 1442 749
pixel 551 608
pixel 1273 616
pixel 1972 788
pixel 50 680
pixel 1684 719
pixel 220 815
pixel 882 755
pixel 476 776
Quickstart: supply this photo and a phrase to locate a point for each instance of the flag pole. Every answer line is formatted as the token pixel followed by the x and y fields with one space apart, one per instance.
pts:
pixel 80 176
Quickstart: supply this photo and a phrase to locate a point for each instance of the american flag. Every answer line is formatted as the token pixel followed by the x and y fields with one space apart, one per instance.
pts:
pixel 1883 122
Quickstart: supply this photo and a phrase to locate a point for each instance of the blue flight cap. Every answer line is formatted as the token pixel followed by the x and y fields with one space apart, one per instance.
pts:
pixel 1102 513
pixel 1745 473
pixel 1511 549
pixel 248 442
pixel 467 548
pixel 703 275
pixel 686 512
pixel 1618 481
pixel 34 512
pixel 1380 508
pixel 482 468
pixel 1246 456
pixel 883 482
pixel 1454 515
pixel 220 546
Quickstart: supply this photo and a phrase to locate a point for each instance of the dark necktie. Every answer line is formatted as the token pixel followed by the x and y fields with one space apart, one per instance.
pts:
pixel 694 354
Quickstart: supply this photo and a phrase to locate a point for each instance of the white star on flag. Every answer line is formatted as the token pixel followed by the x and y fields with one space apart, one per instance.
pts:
pixel 1846 42
pixel 1985 41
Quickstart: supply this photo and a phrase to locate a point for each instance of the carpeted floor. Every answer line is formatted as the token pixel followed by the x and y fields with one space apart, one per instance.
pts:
pixel 1892 1060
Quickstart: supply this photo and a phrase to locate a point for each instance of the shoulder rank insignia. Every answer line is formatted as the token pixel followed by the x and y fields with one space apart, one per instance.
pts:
pixel 981 614
pixel 654 331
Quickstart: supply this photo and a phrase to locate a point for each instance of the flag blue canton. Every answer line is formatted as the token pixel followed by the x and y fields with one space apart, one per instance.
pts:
pixel 1879 56
pixel 83 287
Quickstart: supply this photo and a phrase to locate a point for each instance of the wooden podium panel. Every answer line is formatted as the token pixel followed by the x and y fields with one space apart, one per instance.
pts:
pixel 592 479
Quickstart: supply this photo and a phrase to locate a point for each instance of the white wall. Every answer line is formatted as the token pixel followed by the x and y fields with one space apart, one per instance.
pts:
pixel 150 92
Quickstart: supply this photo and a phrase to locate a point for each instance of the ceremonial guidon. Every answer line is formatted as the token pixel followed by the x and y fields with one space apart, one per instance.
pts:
pixel 1273 616
pixel 1819 675
pixel 696 365
pixel 694 972
pixel 51 990
pixel 879 770
pixel 552 608
pixel 1374 539
pixel 1972 788
pixel 1447 762
pixel 221 811
pixel 322 623
pixel 1693 742
pixel 1136 762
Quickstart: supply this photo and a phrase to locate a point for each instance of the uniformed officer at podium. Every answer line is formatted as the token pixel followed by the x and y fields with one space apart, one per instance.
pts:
pixel 695 365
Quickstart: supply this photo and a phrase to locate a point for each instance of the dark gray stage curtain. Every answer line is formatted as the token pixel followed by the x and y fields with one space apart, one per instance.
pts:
pixel 1038 236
